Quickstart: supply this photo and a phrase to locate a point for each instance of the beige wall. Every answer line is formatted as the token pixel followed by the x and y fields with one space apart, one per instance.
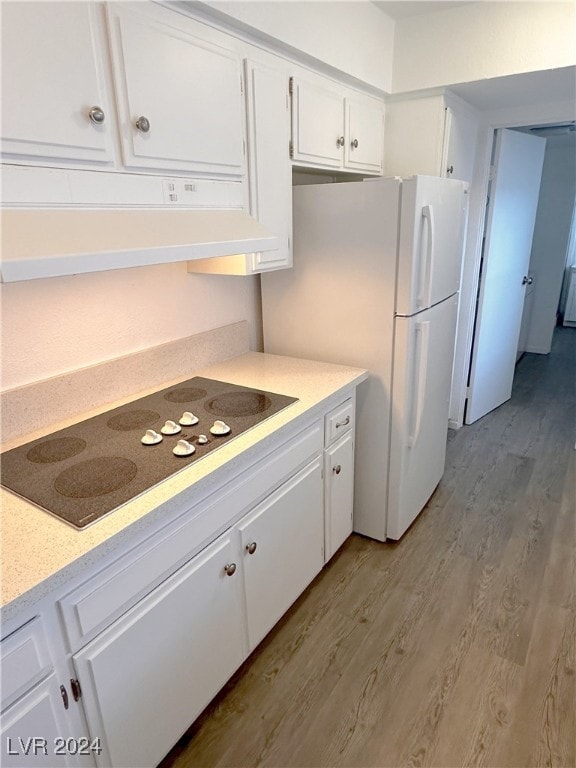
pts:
pixel 60 324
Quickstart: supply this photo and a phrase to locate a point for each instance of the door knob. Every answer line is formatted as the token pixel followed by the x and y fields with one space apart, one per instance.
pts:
pixel 526 280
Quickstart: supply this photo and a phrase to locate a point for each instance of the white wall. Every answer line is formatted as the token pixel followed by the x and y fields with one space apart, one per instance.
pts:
pixel 482 40
pixel 60 324
pixel 551 238
pixel 353 37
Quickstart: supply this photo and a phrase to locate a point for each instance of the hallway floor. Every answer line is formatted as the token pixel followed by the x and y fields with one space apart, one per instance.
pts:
pixel 455 646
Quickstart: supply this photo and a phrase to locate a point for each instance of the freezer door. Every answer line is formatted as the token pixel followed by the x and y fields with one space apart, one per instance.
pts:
pixel 432 225
pixel 422 373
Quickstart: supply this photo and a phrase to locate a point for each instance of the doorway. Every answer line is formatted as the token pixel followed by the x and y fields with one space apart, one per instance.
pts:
pixel 512 202
pixel 516 312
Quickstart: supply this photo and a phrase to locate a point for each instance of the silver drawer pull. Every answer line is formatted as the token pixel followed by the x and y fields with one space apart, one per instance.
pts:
pixel 343 423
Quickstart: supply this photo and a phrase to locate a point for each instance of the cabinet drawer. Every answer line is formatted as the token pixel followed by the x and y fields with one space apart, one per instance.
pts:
pixel 338 421
pixel 24 660
pixel 95 604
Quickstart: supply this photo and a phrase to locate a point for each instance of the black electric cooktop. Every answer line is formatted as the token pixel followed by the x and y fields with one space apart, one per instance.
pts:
pixel 85 471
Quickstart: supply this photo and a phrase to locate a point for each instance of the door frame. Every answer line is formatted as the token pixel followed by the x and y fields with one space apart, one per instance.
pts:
pixel 515 117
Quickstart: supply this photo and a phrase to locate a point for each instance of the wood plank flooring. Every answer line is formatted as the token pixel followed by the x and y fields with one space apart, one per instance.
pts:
pixel 455 646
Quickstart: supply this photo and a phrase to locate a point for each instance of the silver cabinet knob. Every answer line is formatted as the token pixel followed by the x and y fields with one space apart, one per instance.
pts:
pixel 143 124
pixel 354 144
pixel 337 469
pixel 230 569
pixel 450 170
pixel 251 548
pixel 96 114
pixel 340 141
pixel 526 280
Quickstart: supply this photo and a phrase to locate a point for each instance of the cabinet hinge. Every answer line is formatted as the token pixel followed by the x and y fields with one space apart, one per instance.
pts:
pixel 290 85
pixel 291 147
pixel 76 690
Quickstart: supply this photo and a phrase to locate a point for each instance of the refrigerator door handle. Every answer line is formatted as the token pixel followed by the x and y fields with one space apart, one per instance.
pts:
pixel 427 269
pixel 419 379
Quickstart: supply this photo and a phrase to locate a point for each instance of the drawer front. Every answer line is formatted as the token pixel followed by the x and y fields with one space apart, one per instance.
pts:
pixel 339 421
pixel 94 605
pixel 24 660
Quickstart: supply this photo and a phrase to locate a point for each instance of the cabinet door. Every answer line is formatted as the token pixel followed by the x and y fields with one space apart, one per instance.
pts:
pixel 34 728
pixel 317 125
pixel 180 97
pixel 282 544
pixel 270 171
pixel 147 677
pixel 364 148
pixel 339 473
pixel 460 142
pixel 51 80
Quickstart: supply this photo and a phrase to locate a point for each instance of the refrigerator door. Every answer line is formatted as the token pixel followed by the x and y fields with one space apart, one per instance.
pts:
pixel 432 224
pixel 422 372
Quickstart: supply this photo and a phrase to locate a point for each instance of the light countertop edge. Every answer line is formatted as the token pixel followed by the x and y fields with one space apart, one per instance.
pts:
pixel 40 553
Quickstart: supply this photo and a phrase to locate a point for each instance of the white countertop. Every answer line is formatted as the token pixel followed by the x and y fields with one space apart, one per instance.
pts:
pixel 40 552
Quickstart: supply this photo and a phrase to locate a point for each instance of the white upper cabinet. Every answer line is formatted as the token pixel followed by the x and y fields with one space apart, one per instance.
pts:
pixel 54 102
pixel 364 135
pixel 317 124
pixel 431 135
pixel 333 129
pixel 179 96
pixel 269 173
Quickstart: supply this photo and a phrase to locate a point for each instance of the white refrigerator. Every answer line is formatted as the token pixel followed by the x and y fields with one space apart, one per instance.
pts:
pixel 375 284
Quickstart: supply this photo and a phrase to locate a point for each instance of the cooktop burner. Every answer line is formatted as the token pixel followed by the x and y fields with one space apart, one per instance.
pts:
pixel 86 471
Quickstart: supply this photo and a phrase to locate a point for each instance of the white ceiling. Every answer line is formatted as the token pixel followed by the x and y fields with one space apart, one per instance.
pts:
pixel 403 8
pixel 524 89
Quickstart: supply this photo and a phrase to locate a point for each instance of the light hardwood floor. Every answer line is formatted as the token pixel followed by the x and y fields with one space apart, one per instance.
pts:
pixel 453 647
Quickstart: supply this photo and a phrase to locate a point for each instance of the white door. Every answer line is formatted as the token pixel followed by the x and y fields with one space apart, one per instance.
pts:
pixel 282 543
pixel 339 493
pixel 317 124
pixel 423 356
pixel 52 80
pixel 364 135
pixel 34 730
pixel 511 215
pixel 433 218
pixel 180 97
pixel 150 674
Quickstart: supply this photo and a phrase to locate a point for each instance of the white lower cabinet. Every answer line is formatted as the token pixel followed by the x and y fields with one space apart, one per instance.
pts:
pixel 147 677
pixel 282 544
pixel 339 471
pixel 35 732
